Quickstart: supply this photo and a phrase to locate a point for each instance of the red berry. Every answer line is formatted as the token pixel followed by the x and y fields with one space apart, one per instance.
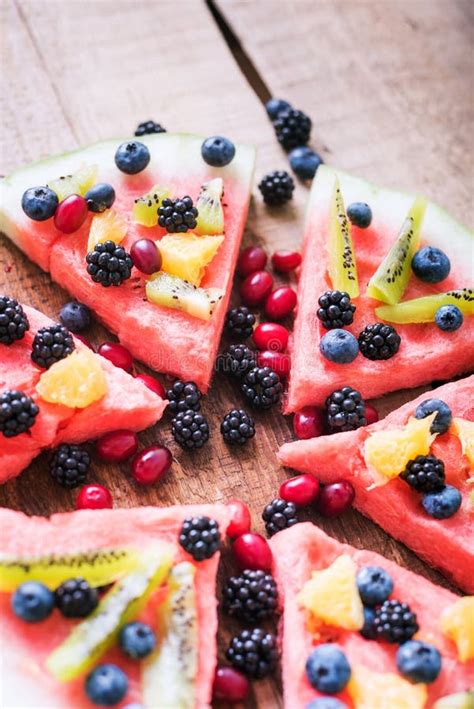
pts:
pixel 117 446
pixel 285 261
pixel 151 464
pixel 280 303
pixel 239 519
pixel 252 551
pixel 336 498
pixel 309 422
pixel 371 414
pixel 302 490
pixel 146 256
pixel 153 384
pixel 117 354
pixel 71 214
pixel 230 685
pixel 271 336
pixel 94 497
pixel 279 362
pixel 255 288
pixel 251 259
pixel 85 341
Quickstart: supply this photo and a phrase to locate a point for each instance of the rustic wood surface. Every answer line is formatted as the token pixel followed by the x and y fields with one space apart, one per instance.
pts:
pixel 389 87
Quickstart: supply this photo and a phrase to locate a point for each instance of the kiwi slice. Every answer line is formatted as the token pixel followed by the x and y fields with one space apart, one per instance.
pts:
pixel 145 208
pixel 390 280
pixel 342 264
pixel 173 292
pixel 97 633
pixel 460 700
pixel 169 675
pixel 210 219
pixel 78 183
pixel 421 310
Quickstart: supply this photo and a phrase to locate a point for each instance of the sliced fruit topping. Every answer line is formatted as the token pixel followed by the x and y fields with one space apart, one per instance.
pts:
pixel 385 690
pixel 457 623
pixel 424 309
pixel 76 381
pixel 145 208
pixel 107 226
pixel 173 292
pixel 460 700
pixel 342 264
pixel 77 183
pixel 210 219
pixel 187 255
pixel 464 430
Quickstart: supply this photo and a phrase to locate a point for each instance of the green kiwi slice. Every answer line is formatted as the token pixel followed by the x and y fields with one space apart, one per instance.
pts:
pixel 173 292
pixel 460 700
pixel 342 265
pixel 420 310
pixel 210 219
pixel 145 208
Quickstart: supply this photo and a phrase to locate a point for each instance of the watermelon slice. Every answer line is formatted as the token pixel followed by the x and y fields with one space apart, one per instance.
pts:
pixel 164 338
pixel 447 544
pixel 25 679
pixel 128 403
pixel 303 549
pixel 426 353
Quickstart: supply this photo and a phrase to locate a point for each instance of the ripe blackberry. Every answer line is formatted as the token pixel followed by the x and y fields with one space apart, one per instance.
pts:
pixel 277 188
pixel 345 410
pixel 252 596
pixel 237 361
pixel 237 427
pixel 75 598
pixel 262 387
pixel 149 127
pixel 253 652
pixel 190 429
pixel 379 341
pixel 69 465
pixel 200 537
pixel 395 622
pixel 183 396
pixel 335 309
pixel 425 473
pixel 17 413
pixel 278 515
pixel 109 264
pixel 13 321
pixel 51 344
pixel 177 215
pixel 292 128
pixel 240 321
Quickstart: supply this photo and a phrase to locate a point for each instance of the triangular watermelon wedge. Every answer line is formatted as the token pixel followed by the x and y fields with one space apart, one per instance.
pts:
pixel 447 544
pixel 163 338
pixel 426 353
pixel 128 403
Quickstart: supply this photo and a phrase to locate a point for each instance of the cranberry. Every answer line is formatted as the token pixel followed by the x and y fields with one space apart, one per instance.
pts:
pixel 371 414
pixel 94 497
pixel 239 519
pixel 255 288
pixel 151 464
pixel 117 446
pixel 309 422
pixel 302 490
pixel 117 354
pixel 279 362
pixel 85 341
pixel 146 256
pixel 71 214
pixel 252 259
pixel 230 685
pixel 285 261
pixel 252 551
pixel 152 384
pixel 280 303
pixel 336 498
pixel 271 336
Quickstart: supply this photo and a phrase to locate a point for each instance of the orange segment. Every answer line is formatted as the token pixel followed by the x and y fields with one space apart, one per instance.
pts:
pixel 76 381
pixel 108 226
pixel 457 623
pixel 377 690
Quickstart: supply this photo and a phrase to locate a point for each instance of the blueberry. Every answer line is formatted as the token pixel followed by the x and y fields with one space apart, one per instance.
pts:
pixel 304 162
pixel 137 640
pixel 106 685
pixel 132 157
pixel 326 703
pixel 449 318
pixel 339 346
pixel 420 662
pixel 360 214
pixel 100 197
pixel 32 601
pixel 442 503
pixel 75 316
pixel 430 264
pixel 217 151
pixel 39 203
pixel 375 585
pixel 275 106
pixel 442 420
pixel 368 629
pixel 327 669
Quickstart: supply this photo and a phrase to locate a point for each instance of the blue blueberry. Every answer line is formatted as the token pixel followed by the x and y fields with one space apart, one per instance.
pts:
pixel 442 420
pixel 32 601
pixel 137 640
pixel 360 214
pixel 326 703
pixel 443 503
pixel 39 203
pixel 75 316
pixel 132 157
pixel 106 685
pixel 368 629
pixel 275 106
pixel 449 318
pixel 100 197
pixel 327 669
pixel 304 162
pixel 217 151
pixel 339 346
pixel 420 662
pixel 375 585
pixel 430 264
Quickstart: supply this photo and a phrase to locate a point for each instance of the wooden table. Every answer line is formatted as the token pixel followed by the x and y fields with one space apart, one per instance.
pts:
pixel 389 87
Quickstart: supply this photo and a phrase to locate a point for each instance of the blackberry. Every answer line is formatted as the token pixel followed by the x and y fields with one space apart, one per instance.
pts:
pixel 252 596
pixel 190 429
pixel 51 344
pixel 237 427
pixel 425 473
pixel 75 598
pixel 13 321
pixel 345 410
pixel 379 341
pixel 278 515
pixel 200 537
pixel 69 465
pixel 277 188
pixel 237 361
pixel 109 264
pixel 240 321
pixel 262 387
pixel 292 128
pixel 183 396
pixel 177 215
pixel 254 652
pixel 335 309
pixel 395 622
pixel 149 127
pixel 17 413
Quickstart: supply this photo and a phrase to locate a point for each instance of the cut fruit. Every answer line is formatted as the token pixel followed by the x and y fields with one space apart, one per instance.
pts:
pixel 187 255
pixel 390 280
pixel 78 183
pixel 457 623
pixel 464 430
pixel 145 208
pixel 172 292
pixel 107 226
pixel 76 381
pixel 342 265
pixel 421 310
pixel 460 700
pixel 384 690
pixel 210 219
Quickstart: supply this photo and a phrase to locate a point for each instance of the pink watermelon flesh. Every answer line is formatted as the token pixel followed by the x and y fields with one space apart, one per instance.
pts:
pixel 25 681
pixel 127 404
pixel 446 544
pixel 426 353
pixel 163 338
pixel 305 548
